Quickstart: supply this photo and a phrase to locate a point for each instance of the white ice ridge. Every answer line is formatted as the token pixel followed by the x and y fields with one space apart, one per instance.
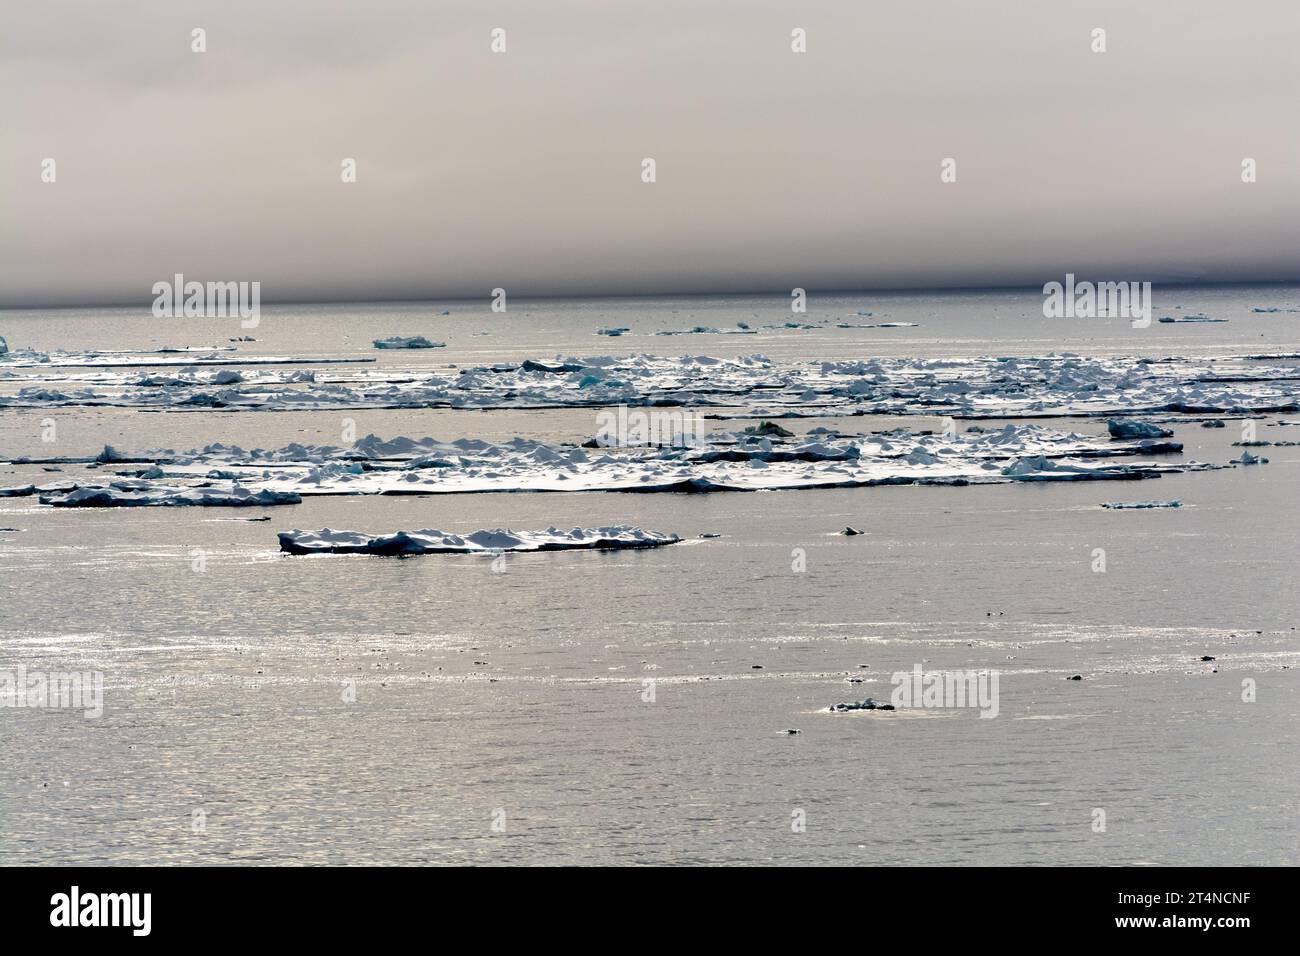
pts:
pixel 444 542
pixel 751 386
pixel 726 462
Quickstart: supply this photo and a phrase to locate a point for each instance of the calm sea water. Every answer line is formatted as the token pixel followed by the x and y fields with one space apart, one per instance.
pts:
pixel 519 698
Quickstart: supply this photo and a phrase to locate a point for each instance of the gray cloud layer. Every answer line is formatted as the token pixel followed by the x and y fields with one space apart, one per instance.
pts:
pixel 523 170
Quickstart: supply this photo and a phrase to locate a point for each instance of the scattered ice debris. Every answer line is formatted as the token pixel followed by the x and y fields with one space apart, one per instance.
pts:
pixel 709 330
pixel 1119 505
pixel 865 704
pixel 443 542
pixel 1120 428
pixel 407 342
pixel 850 531
pixel 1248 459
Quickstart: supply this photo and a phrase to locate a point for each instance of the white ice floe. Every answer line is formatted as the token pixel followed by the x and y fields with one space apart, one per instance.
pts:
pixel 407 342
pixel 1121 505
pixel 1248 459
pixel 149 494
pixel 731 461
pixel 1132 429
pixel 444 542
pixel 876 325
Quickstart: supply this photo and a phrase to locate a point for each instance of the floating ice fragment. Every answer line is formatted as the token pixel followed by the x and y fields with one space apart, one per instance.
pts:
pixel 1118 505
pixel 407 342
pixel 1129 428
pixel 866 704
pixel 430 541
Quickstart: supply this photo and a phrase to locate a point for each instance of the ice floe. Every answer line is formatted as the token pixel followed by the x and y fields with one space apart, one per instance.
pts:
pixel 1131 429
pixel 444 542
pixel 727 461
pixel 147 494
pixel 1248 459
pixel 1121 505
pixel 866 704
pixel 407 342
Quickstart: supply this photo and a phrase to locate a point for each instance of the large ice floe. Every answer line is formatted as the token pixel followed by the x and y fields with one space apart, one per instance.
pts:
pixel 147 494
pixel 748 386
pixel 728 461
pixel 494 540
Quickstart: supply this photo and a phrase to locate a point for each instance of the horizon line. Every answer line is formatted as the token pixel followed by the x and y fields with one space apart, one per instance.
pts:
pixel 880 290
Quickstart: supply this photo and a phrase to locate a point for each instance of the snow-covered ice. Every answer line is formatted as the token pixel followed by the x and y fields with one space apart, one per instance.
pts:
pixel 728 461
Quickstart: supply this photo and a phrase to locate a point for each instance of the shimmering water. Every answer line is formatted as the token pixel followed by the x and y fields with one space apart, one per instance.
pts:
pixel 520 696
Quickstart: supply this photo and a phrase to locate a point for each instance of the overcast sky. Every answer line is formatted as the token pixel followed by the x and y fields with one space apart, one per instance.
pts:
pixel 523 169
